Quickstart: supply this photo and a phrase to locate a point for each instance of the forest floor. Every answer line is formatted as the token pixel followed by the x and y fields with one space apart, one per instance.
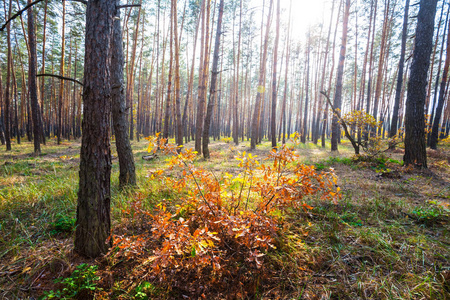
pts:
pixel 387 237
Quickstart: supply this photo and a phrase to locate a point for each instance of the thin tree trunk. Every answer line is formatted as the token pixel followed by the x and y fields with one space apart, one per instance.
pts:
pixel 32 85
pixel 61 73
pixel 8 80
pixel 130 73
pixel 203 79
pixel 340 72
pixel 212 88
pixel 169 90
pixel 305 114
pixel 2 129
pixel 256 119
pixel 401 66
pixel 437 116
pixel 436 85
pixel 127 173
pixel 274 80
pixel 381 61
pixel 325 113
pixel 179 131
pixel 236 85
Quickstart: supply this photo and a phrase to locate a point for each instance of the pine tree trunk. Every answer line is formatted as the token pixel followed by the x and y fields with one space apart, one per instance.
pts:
pixel 2 129
pixel 212 88
pixel 336 129
pixel 305 114
pixel 381 62
pixel 274 81
pixel 93 226
pixel 169 91
pixel 179 129
pixel 437 116
pixel 203 81
pixel 8 80
pixel 130 73
pixel 438 77
pixel 415 147
pixel 401 66
pixel 127 173
pixel 32 85
pixel 61 73
pixel 41 111
pixel 256 119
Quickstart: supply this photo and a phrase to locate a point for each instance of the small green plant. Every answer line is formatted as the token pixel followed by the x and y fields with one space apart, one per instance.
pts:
pixel 63 224
pixel 319 166
pixel 82 280
pixel 144 291
pixel 429 215
pixel 351 219
pixel 338 160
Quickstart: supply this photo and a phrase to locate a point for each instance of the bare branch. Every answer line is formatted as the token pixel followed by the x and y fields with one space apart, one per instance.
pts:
pixel 81 1
pixel 60 77
pixel 27 7
pixel 344 125
pixel 19 13
pixel 128 5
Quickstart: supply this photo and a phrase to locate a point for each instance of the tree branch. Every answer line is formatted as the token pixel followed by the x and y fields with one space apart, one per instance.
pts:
pixel 344 125
pixel 19 13
pixel 60 77
pixel 81 1
pixel 128 5
pixel 27 7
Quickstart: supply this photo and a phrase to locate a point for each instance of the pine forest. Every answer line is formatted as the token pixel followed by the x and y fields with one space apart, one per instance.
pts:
pixel 212 149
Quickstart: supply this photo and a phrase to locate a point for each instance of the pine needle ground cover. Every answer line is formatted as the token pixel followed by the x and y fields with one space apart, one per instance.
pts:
pixel 301 223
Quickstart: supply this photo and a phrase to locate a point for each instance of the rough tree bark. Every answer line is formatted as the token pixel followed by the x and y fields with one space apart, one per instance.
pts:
pixel 32 84
pixel 93 210
pixel 127 173
pixel 415 146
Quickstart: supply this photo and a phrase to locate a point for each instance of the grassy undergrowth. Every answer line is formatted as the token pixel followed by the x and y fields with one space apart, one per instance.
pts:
pixel 387 238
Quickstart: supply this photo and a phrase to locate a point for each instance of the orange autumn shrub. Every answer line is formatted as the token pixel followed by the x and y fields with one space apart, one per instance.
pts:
pixel 216 238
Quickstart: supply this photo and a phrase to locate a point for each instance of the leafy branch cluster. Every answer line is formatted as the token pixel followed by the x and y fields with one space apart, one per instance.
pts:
pixel 224 225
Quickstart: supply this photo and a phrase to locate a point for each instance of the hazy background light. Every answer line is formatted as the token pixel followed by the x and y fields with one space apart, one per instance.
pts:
pixel 304 13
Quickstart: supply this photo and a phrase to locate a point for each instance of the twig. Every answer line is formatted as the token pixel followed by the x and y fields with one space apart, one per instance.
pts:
pixel 19 13
pixel 128 5
pixel 60 77
pixel 27 7
pixel 199 189
pixel 344 125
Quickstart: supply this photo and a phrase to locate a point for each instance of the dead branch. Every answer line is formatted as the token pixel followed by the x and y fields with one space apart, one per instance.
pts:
pixel 60 77
pixel 344 125
pixel 150 157
pixel 128 5
pixel 20 12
